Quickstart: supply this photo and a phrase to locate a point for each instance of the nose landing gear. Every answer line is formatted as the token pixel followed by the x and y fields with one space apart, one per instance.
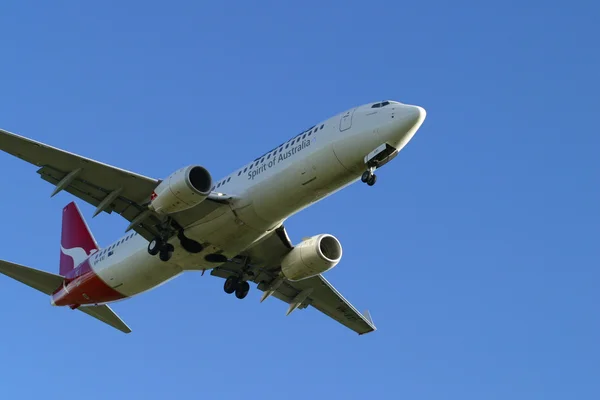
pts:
pixel 377 158
pixel 369 177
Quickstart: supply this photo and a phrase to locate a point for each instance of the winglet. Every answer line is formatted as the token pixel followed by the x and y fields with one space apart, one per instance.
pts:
pixel 367 315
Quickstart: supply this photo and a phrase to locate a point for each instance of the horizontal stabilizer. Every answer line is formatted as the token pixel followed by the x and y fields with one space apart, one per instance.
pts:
pixel 47 283
pixel 105 314
pixel 43 281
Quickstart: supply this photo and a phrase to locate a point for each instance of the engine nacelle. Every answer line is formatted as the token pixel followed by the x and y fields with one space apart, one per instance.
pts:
pixel 183 189
pixel 312 257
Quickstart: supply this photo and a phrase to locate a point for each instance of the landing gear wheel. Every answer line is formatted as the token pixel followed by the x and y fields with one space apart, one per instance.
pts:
pixel 242 290
pixel 154 246
pixel 166 252
pixel 365 176
pixel 372 179
pixel 231 284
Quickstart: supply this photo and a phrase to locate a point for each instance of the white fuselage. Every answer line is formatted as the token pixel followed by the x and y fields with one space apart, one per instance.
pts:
pixel 266 191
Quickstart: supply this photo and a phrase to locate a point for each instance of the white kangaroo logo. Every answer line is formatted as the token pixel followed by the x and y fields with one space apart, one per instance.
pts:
pixel 78 254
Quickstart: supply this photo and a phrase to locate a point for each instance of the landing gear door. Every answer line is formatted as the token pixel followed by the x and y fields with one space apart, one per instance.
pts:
pixel 346 120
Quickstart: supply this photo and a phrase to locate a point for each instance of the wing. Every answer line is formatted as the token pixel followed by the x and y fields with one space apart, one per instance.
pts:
pixel 106 187
pixel 105 314
pixel 266 257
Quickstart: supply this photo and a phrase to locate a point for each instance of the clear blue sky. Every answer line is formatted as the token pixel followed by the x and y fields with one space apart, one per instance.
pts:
pixel 477 252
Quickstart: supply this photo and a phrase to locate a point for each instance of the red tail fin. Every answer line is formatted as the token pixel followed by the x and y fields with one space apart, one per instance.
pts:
pixel 77 242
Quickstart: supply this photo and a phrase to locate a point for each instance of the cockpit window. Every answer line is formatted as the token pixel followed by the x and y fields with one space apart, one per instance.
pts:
pixel 382 104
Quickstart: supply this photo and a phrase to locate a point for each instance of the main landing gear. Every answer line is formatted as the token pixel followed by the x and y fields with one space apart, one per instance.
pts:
pixel 234 284
pixel 159 245
pixel 162 248
pixel 369 177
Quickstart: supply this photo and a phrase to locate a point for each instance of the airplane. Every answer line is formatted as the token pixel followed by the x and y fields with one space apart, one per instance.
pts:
pixel 233 228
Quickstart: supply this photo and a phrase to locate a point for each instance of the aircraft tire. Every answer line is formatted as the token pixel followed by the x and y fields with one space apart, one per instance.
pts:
pixel 154 246
pixel 166 252
pixel 372 180
pixel 365 176
pixel 242 290
pixel 231 284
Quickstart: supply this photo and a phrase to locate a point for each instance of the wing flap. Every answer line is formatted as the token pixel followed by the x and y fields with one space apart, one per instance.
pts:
pixel 43 281
pixel 105 314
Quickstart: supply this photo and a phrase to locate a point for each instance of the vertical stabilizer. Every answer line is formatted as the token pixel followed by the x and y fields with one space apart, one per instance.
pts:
pixel 76 242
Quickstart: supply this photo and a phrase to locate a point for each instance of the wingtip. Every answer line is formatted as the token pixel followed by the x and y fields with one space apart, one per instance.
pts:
pixel 367 315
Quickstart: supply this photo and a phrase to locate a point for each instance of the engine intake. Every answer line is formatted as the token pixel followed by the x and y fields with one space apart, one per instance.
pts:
pixel 183 189
pixel 312 257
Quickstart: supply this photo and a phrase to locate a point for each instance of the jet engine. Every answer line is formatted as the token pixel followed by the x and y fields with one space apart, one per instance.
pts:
pixel 312 257
pixel 183 189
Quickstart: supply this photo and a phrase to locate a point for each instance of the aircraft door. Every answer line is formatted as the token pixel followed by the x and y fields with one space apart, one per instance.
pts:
pixel 346 120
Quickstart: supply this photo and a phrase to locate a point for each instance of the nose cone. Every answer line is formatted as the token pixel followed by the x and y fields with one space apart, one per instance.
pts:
pixel 407 119
pixel 414 114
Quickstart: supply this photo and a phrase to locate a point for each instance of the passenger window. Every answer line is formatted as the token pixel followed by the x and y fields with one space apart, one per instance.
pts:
pixel 263 160
pixel 269 156
pixel 251 165
pixel 228 179
pixel 304 136
pixel 245 169
pixel 287 145
pixel 322 126
pixel 239 173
